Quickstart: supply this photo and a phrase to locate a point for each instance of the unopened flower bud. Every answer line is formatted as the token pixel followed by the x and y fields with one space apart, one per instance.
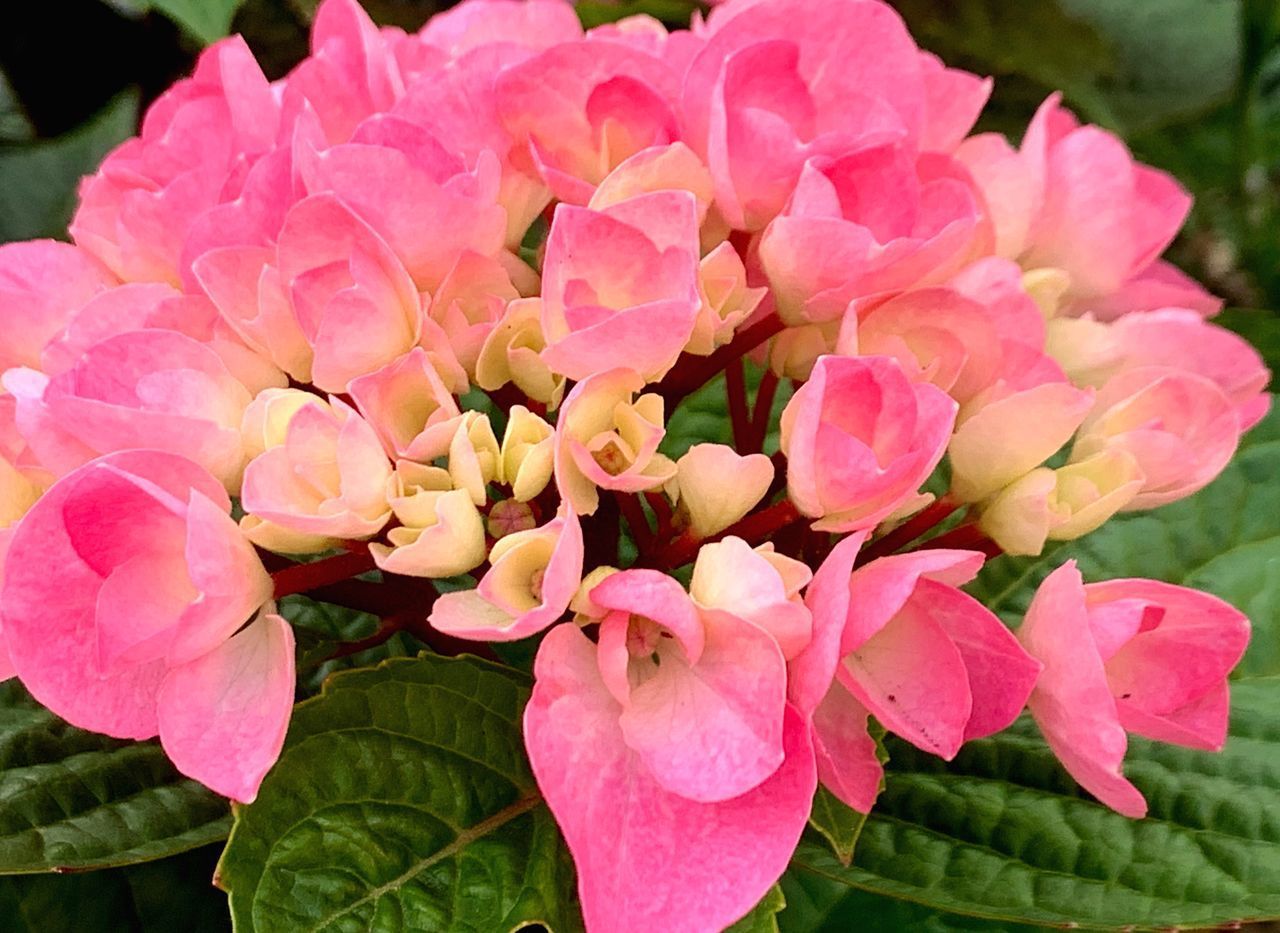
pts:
pixel 528 453
pixel 718 486
pixel 442 531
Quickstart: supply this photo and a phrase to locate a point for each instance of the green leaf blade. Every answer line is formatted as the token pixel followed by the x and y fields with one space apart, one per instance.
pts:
pixel 205 20
pixel 1003 833
pixel 76 800
pixel 402 801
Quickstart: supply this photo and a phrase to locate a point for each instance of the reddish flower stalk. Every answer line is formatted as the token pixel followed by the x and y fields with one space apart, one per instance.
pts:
pixel 303 577
pixel 920 523
pixel 753 529
pixel 633 512
pixel 693 372
pixel 966 537
pixel 761 412
pixel 662 509
pixel 735 388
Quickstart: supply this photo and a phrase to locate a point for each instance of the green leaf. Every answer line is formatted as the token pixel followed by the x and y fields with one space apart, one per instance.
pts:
pixel 1003 833
pixel 402 800
pixel 1007 39
pixel 15 126
pixel 701 418
pixel 206 20
pixel 38 179
pixel 1225 540
pixel 675 13
pixel 764 916
pixel 1171 58
pixel 839 824
pixel 71 799
pixel 816 904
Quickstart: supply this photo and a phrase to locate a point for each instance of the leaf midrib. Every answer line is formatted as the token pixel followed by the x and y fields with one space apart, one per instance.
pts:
pixel 463 839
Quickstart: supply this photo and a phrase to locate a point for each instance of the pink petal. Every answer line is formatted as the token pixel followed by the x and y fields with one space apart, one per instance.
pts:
pixel 845 751
pixel 1001 674
pixel 912 678
pixel 648 859
pixel 1072 702
pixel 223 716
pixel 711 730
pixel 49 618
pixel 882 587
pixel 811 672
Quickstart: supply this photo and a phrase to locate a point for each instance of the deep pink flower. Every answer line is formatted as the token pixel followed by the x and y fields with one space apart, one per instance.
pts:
pixel 136 632
pixel 144 388
pixel 860 440
pixel 690 864
pixel 621 285
pixel 136 211
pixel 777 84
pixel 873 220
pixel 1073 198
pixel 583 107
pixel 1128 655
pixel 43 283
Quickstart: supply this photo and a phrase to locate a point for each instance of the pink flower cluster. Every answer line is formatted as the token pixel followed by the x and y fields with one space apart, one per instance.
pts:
pixel 293 293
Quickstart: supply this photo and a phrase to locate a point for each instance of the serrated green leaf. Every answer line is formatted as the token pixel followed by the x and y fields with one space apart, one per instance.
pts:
pixel 402 800
pixel 206 20
pixel 38 179
pixel 1225 540
pixel 1003 833
pixel 764 916
pixel 78 800
pixel 819 905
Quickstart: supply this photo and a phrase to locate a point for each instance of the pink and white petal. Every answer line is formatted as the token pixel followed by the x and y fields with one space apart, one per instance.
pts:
pixel 223 716
pixel 712 730
pixel 648 859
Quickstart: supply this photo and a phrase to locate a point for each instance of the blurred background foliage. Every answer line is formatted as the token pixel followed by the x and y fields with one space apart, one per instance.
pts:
pixel 1192 85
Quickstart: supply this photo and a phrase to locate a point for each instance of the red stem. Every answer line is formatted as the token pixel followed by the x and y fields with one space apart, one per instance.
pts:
pixel 753 529
pixel 299 578
pixel 662 509
pixel 693 372
pixel 929 517
pixel 735 390
pixel 632 511
pixel 762 411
